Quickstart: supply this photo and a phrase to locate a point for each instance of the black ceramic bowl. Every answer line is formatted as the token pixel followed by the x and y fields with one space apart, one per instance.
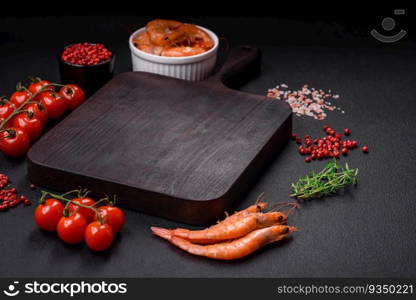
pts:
pixel 89 78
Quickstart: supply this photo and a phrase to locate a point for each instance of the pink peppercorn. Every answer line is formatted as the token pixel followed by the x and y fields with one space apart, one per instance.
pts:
pixel 86 54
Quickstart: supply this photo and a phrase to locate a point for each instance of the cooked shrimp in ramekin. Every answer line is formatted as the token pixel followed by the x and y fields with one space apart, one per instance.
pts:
pixel 173 39
pixel 174 49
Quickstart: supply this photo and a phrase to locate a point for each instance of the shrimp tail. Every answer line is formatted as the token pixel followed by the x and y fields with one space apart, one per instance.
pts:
pixel 161 232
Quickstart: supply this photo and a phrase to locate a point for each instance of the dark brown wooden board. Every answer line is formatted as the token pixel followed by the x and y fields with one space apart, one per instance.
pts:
pixel 177 149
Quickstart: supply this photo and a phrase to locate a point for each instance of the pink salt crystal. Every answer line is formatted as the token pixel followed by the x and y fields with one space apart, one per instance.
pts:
pixel 306 101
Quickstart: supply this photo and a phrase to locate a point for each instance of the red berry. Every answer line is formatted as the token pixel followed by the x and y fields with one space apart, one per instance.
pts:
pixel 344 151
pixel 307 159
pixel 364 149
pixel 346 131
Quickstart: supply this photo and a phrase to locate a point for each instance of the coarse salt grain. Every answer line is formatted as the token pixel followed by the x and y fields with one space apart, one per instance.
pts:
pixel 306 101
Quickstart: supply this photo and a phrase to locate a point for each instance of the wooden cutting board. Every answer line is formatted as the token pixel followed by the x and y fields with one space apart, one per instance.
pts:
pixel 182 150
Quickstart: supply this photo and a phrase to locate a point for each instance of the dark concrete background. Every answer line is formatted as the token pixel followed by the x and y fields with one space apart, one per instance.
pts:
pixel 366 232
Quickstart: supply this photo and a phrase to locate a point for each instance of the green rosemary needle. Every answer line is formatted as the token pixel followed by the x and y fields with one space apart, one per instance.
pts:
pixel 328 181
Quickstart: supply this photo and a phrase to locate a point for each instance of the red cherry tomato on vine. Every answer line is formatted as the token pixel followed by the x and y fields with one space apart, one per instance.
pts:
pixel 32 126
pixel 99 237
pixel 48 214
pixel 39 111
pixel 55 104
pixel 71 229
pixel 14 142
pixel 86 212
pixel 113 216
pixel 73 95
pixel 7 125
pixel 38 85
pixel 19 97
pixel 6 109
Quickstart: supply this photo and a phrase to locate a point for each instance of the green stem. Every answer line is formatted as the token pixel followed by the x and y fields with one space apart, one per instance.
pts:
pixel 66 210
pixel 328 181
pixel 70 192
pixel 62 198
pixel 18 110
pixel 43 197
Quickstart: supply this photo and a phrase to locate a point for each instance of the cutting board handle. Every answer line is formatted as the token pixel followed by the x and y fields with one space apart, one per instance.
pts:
pixel 241 65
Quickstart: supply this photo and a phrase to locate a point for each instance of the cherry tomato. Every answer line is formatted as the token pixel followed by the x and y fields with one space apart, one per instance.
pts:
pixel 99 237
pixel 71 229
pixel 32 126
pixel 73 95
pixel 113 216
pixel 7 125
pixel 14 142
pixel 86 212
pixel 5 109
pixel 48 214
pixel 55 104
pixel 37 85
pixel 39 111
pixel 19 97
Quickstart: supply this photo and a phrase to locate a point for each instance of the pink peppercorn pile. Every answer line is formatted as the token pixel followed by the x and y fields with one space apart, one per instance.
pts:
pixel 86 54
pixel 9 197
pixel 331 145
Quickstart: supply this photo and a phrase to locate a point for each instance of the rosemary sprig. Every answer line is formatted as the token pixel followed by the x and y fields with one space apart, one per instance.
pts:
pixel 328 181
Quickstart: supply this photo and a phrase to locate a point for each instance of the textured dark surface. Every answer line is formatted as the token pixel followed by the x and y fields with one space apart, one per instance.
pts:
pixel 183 150
pixel 368 231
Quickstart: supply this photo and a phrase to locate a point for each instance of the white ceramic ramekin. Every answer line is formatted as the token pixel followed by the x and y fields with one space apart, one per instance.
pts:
pixel 193 68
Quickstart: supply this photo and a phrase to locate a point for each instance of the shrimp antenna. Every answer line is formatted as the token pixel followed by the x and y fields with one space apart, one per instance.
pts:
pixel 277 206
pixel 260 198
pixel 295 206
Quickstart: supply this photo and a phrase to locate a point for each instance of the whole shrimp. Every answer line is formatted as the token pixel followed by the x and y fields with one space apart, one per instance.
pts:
pixel 142 42
pixel 189 35
pixel 225 230
pixel 159 31
pixel 257 207
pixel 236 248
